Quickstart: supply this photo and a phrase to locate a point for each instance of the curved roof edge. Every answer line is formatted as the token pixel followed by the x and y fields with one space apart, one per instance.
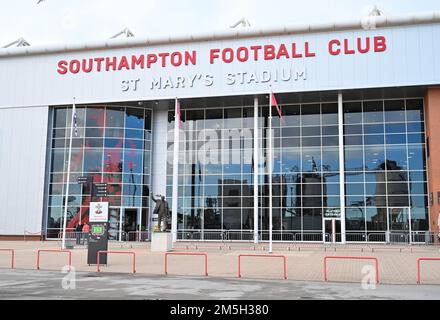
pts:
pixel 380 22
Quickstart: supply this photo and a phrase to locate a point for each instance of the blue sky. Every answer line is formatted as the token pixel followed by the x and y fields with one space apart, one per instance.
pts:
pixel 72 21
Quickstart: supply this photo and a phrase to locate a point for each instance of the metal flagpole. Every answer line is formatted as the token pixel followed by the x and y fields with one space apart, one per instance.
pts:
pixel 63 246
pixel 256 173
pixel 270 172
pixel 175 171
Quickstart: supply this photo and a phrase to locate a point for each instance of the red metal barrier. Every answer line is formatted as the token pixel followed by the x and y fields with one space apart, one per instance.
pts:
pixel 12 251
pixel 118 252
pixel 57 251
pixel 352 258
pixel 186 254
pixel 418 267
pixel 263 256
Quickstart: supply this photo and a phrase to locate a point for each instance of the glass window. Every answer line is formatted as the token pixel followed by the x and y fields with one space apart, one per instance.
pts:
pixel 395 138
pixel 93 160
pixel 94 132
pixel 57 160
pixel 352 112
pixel 195 119
pixel 353 129
pixel 374 139
pixel 95 117
pixel 214 119
pixel 416 157
pixel 115 117
pixel 60 115
pixel 311 131
pixel 414 110
pixel 148 119
pixel 291 114
pixel 232 219
pixel 311 142
pixel 310 115
pixel 396 157
pixel 290 131
pixel 416 138
pixel 233 118
pixel 330 141
pixel 330 159
pixel 113 160
pixel 311 159
pixel 353 140
pixel 330 131
pixel 354 159
pixel 415 127
pixel 355 219
pixel 376 220
pixel 373 111
pixel 291 142
pixel 354 189
pixel 374 157
pixel 373 129
pixel 394 110
pixel 134 134
pixel 329 113
pixel 395 128
pixel 134 118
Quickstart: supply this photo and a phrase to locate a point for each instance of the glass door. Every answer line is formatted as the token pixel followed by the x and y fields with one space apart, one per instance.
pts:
pixel 399 226
pixel 332 231
pixel 131 223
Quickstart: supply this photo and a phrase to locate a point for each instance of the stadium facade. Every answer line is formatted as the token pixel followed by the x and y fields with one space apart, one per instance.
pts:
pixel 355 156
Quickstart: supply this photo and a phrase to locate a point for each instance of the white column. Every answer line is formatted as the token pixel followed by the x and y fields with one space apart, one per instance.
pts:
pixel 63 243
pixel 175 173
pixel 270 173
pixel 256 162
pixel 341 164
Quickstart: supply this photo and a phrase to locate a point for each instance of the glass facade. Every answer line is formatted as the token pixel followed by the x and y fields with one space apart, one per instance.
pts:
pixel 385 170
pixel 112 145
pixel 385 167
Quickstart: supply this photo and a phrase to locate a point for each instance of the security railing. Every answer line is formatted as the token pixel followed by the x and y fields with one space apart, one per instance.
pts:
pixel 356 236
pixel 138 236
pixel 115 235
pixel 424 238
pixel 298 236
pixel 75 238
pixel 215 235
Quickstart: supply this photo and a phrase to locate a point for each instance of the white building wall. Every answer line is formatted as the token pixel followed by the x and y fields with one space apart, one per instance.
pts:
pixel 23 139
pixel 411 58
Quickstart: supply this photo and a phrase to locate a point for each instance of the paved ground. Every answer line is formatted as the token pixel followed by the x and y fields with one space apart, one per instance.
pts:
pixel 261 276
pixel 22 284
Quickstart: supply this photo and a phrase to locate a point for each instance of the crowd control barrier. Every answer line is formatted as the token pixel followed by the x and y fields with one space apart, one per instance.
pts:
pixel 419 265
pixel 186 254
pixel 12 251
pixel 352 258
pixel 55 251
pixel 263 256
pixel 117 252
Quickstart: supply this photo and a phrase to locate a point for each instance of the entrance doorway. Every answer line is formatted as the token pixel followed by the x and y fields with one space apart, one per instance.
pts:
pixel 332 231
pixel 131 220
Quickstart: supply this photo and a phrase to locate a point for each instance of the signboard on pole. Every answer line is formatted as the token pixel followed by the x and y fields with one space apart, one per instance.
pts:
pixel 98 236
pixel 100 190
pixel 98 212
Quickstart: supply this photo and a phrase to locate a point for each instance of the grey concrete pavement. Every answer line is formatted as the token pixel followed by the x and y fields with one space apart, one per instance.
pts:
pixel 29 284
